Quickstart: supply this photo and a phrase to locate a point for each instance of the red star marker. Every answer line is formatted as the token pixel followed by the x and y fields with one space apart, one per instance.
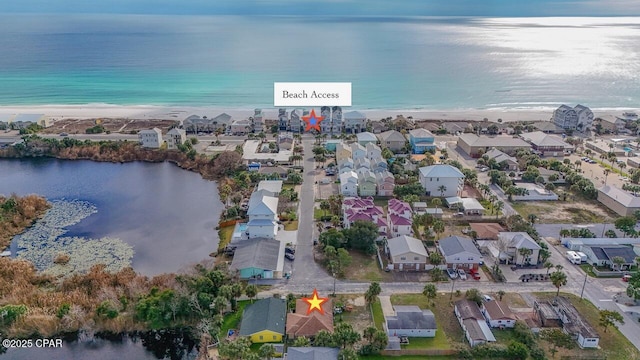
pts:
pixel 312 121
pixel 315 303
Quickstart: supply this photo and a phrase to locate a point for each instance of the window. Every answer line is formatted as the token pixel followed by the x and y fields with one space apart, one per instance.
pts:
pixel 415 258
pixel 437 179
pixel 403 258
pixel 274 337
pixel 430 179
pixel 261 337
pixel 470 258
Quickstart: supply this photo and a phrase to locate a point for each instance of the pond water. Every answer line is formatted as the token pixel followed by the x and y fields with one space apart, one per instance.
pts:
pixel 168 215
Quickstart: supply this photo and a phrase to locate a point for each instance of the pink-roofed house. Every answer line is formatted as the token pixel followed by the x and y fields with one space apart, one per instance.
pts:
pixel 399 226
pixel 363 209
pixel 400 208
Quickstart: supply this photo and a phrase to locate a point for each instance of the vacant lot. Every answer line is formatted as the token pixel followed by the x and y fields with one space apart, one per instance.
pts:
pixel 365 268
pixel 125 126
pixel 561 212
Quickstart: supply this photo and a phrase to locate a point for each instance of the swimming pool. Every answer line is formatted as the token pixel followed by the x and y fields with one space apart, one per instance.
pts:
pixel 626 149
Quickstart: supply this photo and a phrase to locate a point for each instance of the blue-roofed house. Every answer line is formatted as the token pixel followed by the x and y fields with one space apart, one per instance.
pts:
pixel 421 140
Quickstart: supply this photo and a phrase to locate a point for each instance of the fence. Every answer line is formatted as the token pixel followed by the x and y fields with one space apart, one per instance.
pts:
pixel 420 352
pixel 611 274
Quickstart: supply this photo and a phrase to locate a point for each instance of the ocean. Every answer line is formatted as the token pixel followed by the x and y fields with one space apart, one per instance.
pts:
pixel 392 62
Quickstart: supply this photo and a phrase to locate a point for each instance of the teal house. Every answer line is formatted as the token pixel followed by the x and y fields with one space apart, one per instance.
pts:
pixel 331 144
pixel 259 258
pixel 421 141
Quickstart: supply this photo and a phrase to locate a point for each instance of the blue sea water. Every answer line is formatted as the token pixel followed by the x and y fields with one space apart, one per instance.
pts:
pixel 394 62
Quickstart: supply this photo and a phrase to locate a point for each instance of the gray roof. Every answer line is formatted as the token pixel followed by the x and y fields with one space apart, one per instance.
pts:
pixel 478 330
pixel 353 115
pixel 623 197
pixel 456 244
pixel 625 252
pixel 406 244
pixel 468 309
pixel 489 141
pixel 273 186
pixel 392 135
pixel 261 202
pixel 265 314
pixel 599 253
pixel 520 240
pixel 222 118
pixel 539 138
pixel 411 317
pixel 441 170
pixel 312 353
pixel 257 253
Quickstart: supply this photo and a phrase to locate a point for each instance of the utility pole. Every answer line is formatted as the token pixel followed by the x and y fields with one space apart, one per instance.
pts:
pixel 453 282
pixel 584 284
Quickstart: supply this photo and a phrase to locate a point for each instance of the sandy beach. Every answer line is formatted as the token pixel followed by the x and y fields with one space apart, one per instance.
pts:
pixel 148 112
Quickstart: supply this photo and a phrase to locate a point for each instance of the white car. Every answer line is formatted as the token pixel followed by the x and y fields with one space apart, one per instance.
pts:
pixel 452 273
pixel 462 274
pixel 487 298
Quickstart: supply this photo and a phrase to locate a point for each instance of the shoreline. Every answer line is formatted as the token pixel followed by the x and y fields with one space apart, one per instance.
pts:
pixel 159 112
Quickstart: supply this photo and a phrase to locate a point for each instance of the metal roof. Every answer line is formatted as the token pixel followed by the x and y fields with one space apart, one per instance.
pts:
pixel 411 317
pixel 259 253
pixel 406 244
pixel 264 314
pixel 456 244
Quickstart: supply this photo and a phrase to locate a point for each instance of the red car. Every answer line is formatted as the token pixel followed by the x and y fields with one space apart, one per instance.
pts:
pixel 626 278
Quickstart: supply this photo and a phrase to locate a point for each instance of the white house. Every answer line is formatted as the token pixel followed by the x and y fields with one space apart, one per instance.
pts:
pixel 263 215
pixel 498 314
pixel 176 137
pixel 373 150
pixel 150 138
pixel 585 117
pixel 354 122
pixel 565 117
pixel 410 321
pixel 349 183
pixel 441 180
pixel 366 137
pixel 514 242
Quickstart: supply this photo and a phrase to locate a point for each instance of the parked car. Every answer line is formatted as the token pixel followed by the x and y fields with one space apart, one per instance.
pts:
pixel 626 278
pixel 452 273
pixel 462 274
pixel 64 134
pixel 289 256
pixel 487 298
pixel 459 214
pixel 289 250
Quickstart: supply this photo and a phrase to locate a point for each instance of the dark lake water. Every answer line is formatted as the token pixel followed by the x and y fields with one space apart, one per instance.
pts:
pixel 167 214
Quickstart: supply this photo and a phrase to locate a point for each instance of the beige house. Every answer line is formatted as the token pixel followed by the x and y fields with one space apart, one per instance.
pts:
pixel 151 138
pixel 618 200
pixel 343 152
pixel 407 253
pixel 392 140
pixel 475 146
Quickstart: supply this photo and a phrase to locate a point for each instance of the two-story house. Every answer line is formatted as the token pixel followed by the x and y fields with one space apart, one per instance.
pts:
pixel 421 140
pixel 441 180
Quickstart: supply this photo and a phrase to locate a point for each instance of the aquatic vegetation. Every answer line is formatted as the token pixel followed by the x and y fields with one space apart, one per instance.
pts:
pixel 44 243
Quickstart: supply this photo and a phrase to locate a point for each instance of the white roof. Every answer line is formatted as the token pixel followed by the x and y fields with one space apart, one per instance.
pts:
pixel 261 203
pixel 353 115
pixel 625 198
pixel 366 136
pixel 176 131
pixel 151 131
pixel 441 170
pixel 421 133
pixel 520 240
pixel 471 204
pixel 406 244
pixel 272 186
pixel 347 176
pixel 539 138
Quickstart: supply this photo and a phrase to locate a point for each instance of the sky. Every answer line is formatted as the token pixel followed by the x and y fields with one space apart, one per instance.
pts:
pixel 497 8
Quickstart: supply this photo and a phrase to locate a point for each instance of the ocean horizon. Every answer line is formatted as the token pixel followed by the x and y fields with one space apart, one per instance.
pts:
pixel 408 63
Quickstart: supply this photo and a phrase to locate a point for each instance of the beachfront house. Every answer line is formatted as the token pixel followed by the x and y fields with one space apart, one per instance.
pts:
pixel 295 121
pixel 406 253
pixel 410 321
pixel 421 140
pixel 565 117
pixel 393 140
pixel 258 121
pixel 547 144
pixel 354 122
pixel 240 127
pixel 264 320
pixel 151 139
pixel 585 117
pixel 441 180
pixel 336 120
pixel 325 124
pixel 283 119
pixel 175 138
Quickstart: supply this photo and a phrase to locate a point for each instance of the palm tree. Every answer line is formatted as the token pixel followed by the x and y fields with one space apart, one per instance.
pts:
pixel 324 206
pixel 442 189
pixel 532 218
pixel 436 202
pixel 558 279
pixel 606 174
pixel 430 291
pixel 548 265
pixel 501 293
pixel 498 206
pixel 438 227
pixel 524 252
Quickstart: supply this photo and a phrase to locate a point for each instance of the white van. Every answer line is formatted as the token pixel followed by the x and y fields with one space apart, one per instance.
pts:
pixel 573 257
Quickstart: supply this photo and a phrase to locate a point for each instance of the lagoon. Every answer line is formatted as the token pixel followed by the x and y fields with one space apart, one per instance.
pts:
pixel 167 214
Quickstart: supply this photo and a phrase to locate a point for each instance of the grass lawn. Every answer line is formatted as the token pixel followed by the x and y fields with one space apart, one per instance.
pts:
pixel 317 213
pixel 225 235
pixel 438 342
pixel 291 225
pixel 449 330
pixel 612 343
pixel 366 268
pixel 577 211
pixel 378 316
pixel 504 336
pixel 406 357
pixel 232 321
pixel 588 268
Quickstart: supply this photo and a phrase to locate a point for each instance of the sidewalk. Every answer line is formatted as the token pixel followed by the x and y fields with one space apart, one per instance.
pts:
pixel 387 308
